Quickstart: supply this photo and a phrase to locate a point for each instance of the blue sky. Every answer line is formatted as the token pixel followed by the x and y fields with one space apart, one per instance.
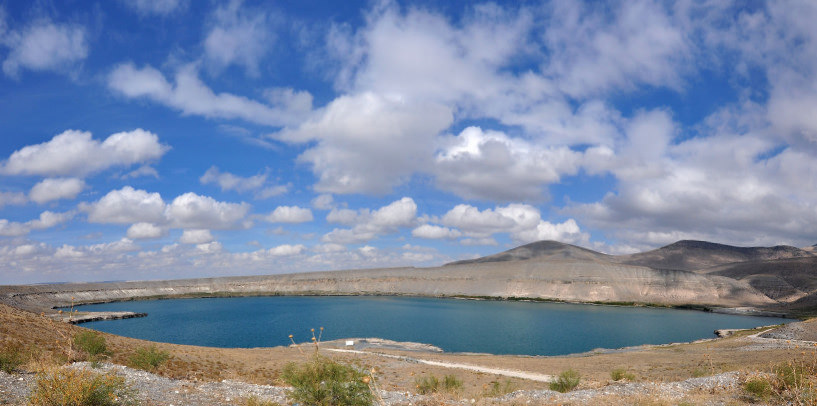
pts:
pixel 157 139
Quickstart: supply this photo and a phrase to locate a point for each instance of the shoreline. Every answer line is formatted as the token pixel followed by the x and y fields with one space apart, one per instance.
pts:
pixel 91 316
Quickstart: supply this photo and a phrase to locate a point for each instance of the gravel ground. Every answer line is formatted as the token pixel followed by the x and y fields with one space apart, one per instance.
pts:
pixel 156 390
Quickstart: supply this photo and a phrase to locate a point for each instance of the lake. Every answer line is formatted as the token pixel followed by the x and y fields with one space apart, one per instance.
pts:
pixel 497 327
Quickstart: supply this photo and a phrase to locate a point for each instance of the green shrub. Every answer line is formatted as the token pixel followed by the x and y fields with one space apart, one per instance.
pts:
pixel 427 384
pixel 791 375
pixel 73 387
pixel 324 382
pixel 452 384
pixel 92 343
pixel 11 357
pixel 759 387
pixel 621 373
pixel 148 358
pixel 566 382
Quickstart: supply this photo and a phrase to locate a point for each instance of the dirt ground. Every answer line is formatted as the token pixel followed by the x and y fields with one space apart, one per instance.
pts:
pixel 48 340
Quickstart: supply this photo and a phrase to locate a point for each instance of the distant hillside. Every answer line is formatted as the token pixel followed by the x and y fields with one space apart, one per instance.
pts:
pixel 691 255
pixel 684 273
pixel 784 279
pixel 540 249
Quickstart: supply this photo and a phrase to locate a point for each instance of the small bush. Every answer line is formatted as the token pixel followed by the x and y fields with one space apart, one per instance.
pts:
pixel 452 384
pixel 148 358
pixel 621 373
pixel 92 343
pixel 11 357
pixel 499 389
pixel 566 382
pixel 427 384
pixel 791 375
pixel 759 387
pixel 324 382
pixel 72 387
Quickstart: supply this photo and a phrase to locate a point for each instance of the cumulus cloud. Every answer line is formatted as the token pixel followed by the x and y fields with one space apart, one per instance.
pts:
pixel 369 143
pixel 76 153
pixel 44 46
pixel 239 35
pixel 523 223
pixel 188 211
pixel 372 224
pixel 47 219
pixel 55 189
pixel 490 165
pixel 12 198
pixel 229 181
pixel 196 237
pixel 289 214
pixel 192 97
pixel 143 231
pixel 194 211
pixel 125 206
pixel 435 232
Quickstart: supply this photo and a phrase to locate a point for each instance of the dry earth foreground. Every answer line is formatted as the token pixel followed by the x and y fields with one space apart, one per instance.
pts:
pixel 769 366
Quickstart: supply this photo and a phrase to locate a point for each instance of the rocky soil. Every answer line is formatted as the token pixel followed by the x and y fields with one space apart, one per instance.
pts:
pixel 152 389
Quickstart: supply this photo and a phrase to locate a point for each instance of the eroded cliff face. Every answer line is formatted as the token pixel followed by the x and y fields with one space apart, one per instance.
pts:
pixel 585 280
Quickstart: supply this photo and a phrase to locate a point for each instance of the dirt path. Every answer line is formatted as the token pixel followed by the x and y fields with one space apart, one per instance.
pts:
pixel 496 371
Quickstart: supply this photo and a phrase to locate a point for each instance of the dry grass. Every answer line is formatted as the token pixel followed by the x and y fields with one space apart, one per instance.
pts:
pixel 263 366
pixel 77 387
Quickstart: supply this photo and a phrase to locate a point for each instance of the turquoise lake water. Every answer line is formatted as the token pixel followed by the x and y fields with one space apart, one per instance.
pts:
pixel 497 327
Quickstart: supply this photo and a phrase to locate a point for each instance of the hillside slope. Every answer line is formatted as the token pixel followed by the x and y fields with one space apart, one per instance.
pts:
pixel 688 255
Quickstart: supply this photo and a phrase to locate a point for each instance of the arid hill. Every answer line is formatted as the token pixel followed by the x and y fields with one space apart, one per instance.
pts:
pixel 684 273
pixel 688 255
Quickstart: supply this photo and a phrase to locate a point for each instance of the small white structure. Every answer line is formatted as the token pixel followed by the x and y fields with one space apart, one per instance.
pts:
pixel 350 343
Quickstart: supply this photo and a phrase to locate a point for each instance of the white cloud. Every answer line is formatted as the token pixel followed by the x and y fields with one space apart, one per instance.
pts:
pixel 435 232
pixel 323 202
pixel 523 223
pixel 158 7
pixel 239 36
pixel 194 211
pixel 595 49
pixel 75 153
pixel 196 237
pixel 47 219
pixel 44 46
pixel 12 198
pixel 289 214
pixel 286 250
pixel 192 97
pixel 56 189
pixel 369 143
pixel 372 224
pixel 125 206
pixel 229 181
pixel 140 231
pixel 492 166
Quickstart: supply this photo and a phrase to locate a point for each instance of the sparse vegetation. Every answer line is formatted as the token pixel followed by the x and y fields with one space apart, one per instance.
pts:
pixel 93 344
pixel 621 373
pixel 148 358
pixel 76 387
pixel 452 384
pixel 566 382
pixel 255 401
pixel 498 389
pixel 11 357
pixel 427 384
pixel 759 387
pixel 325 382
